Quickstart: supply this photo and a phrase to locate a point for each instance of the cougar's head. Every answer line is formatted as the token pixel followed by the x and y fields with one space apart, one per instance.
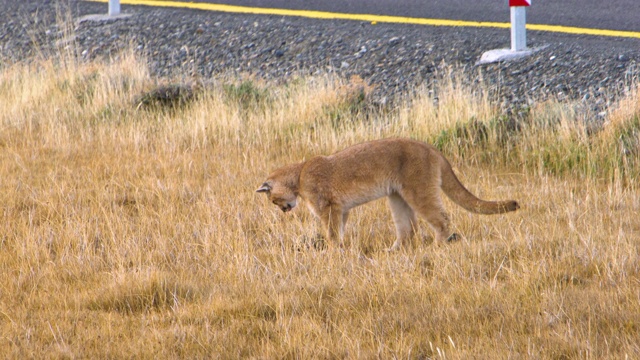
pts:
pixel 281 186
pixel 281 196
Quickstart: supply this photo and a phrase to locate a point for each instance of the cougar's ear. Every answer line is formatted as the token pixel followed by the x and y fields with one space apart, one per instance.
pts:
pixel 264 188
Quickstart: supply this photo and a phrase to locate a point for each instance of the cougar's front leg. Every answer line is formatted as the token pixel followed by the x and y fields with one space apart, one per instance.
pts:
pixel 332 219
pixel 404 218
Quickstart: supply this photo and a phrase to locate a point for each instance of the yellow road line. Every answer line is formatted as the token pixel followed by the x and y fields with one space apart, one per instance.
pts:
pixel 372 18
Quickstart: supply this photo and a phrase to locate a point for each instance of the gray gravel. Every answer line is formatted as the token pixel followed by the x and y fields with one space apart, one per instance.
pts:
pixel 395 58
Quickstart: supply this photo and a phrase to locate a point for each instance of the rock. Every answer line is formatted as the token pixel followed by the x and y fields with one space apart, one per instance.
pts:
pixel 622 58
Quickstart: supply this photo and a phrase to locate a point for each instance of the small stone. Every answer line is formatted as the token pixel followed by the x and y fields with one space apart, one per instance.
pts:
pixel 622 58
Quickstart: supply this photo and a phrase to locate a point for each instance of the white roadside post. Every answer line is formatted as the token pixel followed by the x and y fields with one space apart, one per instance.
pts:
pixel 518 48
pixel 114 7
pixel 112 15
pixel 518 24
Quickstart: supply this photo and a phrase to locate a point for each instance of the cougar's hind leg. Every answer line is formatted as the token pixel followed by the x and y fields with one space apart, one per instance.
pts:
pixel 404 218
pixel 428 204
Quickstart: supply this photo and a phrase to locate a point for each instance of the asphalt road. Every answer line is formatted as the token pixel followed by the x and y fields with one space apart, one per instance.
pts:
pixel 597 14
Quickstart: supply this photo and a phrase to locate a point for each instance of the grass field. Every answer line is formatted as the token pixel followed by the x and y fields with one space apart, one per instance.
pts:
pixel 130 230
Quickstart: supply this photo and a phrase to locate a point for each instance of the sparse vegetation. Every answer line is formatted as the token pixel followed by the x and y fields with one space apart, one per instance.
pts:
pixel 170 96
pixel 127 233
pixel 248 95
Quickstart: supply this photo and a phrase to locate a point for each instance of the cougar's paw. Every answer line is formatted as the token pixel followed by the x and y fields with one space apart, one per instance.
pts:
pixel 453 238
pixel 310 242
pixel 318 242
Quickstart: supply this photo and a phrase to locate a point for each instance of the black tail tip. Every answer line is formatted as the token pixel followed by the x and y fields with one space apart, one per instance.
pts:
pixel 512 205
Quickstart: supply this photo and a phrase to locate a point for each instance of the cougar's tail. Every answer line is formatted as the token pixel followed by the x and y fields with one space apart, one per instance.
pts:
pixel 452 187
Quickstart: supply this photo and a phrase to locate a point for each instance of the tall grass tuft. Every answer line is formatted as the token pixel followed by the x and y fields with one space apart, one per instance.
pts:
pixel 547 138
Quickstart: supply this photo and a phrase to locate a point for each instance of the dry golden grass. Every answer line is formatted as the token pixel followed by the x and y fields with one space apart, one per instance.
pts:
pixel 135 233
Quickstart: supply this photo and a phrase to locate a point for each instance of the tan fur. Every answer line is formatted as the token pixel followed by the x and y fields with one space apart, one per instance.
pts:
pixel 410 173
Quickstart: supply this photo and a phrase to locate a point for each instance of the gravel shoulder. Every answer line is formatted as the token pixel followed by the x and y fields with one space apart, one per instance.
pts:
pixel 395 58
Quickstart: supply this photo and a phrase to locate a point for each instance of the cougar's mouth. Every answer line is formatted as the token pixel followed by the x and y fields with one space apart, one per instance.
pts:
pixel 286 208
